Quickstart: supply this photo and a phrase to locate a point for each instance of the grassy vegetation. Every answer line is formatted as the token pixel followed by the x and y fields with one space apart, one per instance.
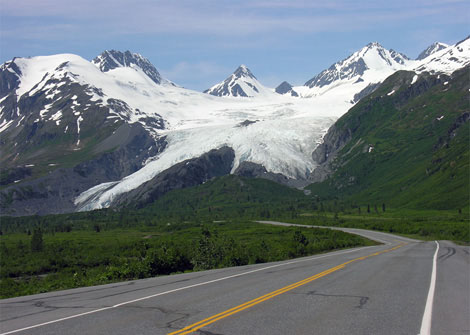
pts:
pixel 45 259
pixel 422 225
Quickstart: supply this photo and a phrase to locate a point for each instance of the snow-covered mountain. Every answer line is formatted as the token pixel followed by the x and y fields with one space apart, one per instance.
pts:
pixel 446 60
pixel 94 131
pixel 241 83
pixel 360 73
pixel 435 47
pixel 344 79
pixel 371 58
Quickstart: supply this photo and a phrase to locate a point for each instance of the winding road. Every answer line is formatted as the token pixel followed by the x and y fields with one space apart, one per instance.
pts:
pixel 402 286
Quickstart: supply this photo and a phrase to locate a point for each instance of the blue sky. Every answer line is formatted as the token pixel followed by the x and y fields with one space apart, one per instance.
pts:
pixel 197 43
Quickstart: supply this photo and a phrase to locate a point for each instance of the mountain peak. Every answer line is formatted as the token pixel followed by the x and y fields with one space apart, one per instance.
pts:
pixel 112 59
pixel 241 83
pixel 285 88
pixel 374 45
pixel 446 60
pixel 383 53
pixel 433 48
pixel 243 71
pixel 373 57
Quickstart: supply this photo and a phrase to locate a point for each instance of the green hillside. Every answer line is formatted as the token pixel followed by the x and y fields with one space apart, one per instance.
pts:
pixel 230 196
pixel 409 145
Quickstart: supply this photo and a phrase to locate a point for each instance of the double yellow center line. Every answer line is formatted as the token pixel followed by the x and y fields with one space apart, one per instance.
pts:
pixel 198 325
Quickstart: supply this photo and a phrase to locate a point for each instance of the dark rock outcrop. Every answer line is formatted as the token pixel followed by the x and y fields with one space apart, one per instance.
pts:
pixel 253 170
pixel 9 78
pixel 327 151
pixel 365 92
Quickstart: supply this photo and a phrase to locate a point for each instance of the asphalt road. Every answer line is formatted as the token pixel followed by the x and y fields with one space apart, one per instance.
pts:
pixel 374 290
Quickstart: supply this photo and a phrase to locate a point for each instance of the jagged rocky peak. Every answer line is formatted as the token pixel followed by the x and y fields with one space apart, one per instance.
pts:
pixel 376 50
pixel 286 88
pixel 243 71
pixel 371 57
pixel 433 48
pixel 112 59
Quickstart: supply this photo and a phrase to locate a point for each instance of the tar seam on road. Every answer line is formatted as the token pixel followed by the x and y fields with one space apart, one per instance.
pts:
pixel 427 316
pixel 198 325
pixel 180 289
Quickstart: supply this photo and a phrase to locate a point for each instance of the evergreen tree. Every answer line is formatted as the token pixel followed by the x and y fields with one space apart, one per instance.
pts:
pixel 300 238
pixel 36 241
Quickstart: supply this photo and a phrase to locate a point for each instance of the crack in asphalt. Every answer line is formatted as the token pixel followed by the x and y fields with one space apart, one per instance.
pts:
pixel 50 309
pixel 171 324
pixel 363 300
pixel 167 312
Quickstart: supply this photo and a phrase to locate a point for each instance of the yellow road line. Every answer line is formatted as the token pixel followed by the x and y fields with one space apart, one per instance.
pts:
pixel 198 325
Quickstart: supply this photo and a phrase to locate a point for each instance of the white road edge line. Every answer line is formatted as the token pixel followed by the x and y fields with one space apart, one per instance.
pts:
pixel 427 316
pixel 182 288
